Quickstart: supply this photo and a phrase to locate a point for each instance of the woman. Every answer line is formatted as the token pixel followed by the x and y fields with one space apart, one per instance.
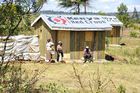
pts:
pixel 48 50
pixel 59 50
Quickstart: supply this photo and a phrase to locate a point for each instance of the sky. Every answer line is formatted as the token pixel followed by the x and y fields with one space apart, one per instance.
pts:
pixel 106 6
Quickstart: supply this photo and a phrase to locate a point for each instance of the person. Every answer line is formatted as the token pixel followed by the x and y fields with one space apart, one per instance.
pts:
pixel 49 48
pixel 59 51
pixel 87 54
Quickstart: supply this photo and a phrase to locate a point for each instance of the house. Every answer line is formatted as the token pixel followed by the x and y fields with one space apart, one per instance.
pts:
pixel 114 34
pixel 75 31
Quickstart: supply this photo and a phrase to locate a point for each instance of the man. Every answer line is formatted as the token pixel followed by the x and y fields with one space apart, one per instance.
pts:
pixel 48 50
pixel 87 54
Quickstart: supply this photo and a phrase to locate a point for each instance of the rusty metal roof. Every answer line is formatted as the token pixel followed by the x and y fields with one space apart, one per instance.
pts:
pixel 75 22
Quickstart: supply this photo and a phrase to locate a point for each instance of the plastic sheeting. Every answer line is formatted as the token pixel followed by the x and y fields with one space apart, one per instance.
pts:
pixel 20 48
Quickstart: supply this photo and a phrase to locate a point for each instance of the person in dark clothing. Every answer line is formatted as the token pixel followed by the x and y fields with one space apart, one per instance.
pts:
pixel 59 51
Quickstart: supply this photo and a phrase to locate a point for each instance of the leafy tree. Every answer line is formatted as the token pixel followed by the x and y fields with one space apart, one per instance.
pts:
pixel 9 17
pixel 123 14
pixel 12 12
pixel 135 15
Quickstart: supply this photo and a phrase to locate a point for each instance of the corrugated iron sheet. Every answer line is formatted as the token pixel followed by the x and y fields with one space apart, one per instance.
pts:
pixel 112 20
pixel 75 22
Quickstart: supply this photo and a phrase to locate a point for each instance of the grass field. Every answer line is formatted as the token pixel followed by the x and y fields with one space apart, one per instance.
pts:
pixel 120 73
pixel 124 70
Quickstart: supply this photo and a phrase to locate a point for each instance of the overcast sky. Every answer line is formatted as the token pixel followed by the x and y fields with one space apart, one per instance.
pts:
pixel 97 5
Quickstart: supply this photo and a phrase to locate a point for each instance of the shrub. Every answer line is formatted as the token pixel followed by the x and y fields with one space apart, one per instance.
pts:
pixel 107 41
pixel 121 89
pixel 138 51
pixel 138 21
pixel 55 88
pixel 133 34
pixel 14 79
pixel 134 26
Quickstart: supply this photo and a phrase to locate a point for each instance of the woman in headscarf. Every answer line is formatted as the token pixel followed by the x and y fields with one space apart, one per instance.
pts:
pixel 49 45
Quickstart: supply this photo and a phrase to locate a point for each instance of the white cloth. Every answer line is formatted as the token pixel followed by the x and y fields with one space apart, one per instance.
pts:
pixel 48 45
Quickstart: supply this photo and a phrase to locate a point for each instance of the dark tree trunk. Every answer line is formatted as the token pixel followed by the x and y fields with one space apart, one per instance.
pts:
pixel 78 11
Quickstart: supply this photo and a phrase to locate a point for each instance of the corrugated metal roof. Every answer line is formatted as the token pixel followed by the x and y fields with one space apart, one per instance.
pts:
pixel 112 20
pixel 75 22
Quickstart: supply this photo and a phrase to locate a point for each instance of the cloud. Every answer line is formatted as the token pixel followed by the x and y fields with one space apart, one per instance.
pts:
pixel 107 7
pixel 107 1
pixel 96 5
pixel 131 7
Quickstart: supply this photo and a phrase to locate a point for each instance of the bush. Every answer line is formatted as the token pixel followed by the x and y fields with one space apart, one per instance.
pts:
pixel 107 41
pixel 133 34
pixel 138 21
pixel 121 89
pixel 134 26
pixel 138 51
pixel 14 79
pixel 54 88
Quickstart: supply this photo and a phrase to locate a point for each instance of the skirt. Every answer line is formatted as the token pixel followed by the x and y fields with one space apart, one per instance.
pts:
pixel 48 54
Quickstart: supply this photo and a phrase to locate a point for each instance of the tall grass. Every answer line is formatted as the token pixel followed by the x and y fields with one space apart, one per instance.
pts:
pixel 125 54
pixel 95 82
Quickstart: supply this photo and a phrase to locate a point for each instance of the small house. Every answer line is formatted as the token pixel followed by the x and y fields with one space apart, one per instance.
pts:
pixel 75 31
pixel 114 34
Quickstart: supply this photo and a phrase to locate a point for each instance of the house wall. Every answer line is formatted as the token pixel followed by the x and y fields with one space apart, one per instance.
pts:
pixel 114 35
pixel 74 42
pixel 43 31
pixel 64 36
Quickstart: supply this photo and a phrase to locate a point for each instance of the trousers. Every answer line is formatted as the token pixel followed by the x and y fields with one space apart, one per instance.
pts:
pixel 58 54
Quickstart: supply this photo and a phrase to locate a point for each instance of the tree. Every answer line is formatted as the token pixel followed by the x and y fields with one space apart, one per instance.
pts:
pixel 85 4
pixel 13 11
pixel 74 4
pixel 11 14
pixel 123 14
pixel 9 17
pixel 135 15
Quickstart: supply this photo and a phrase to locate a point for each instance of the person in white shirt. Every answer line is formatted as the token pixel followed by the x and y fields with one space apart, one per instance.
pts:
pixel 49 45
